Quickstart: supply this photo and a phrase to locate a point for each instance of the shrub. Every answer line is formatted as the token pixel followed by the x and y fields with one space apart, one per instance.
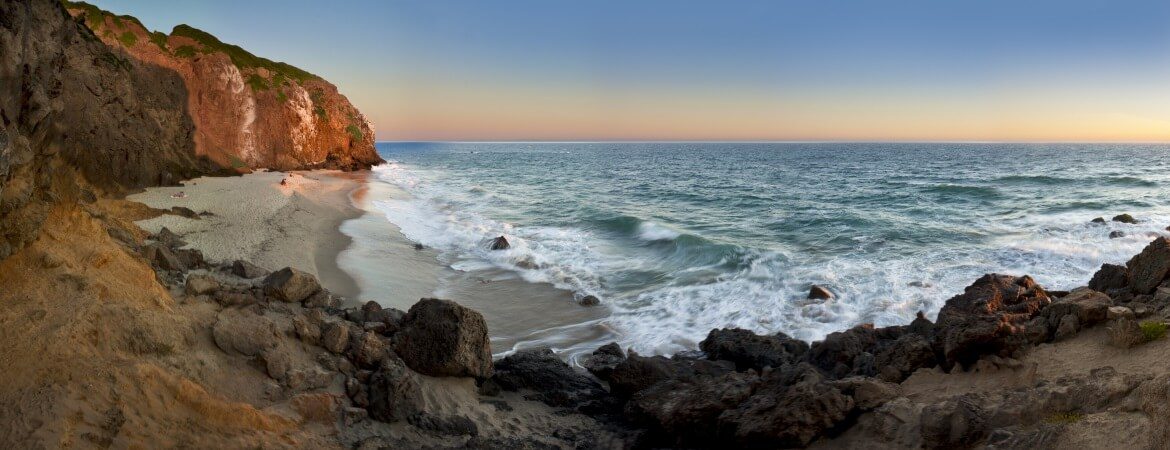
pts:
pixel 185 51
pixel 1064 418
pixel 128 39
pixel 1153 330
pixel 257 82
pixel 355 132
pixel 159 39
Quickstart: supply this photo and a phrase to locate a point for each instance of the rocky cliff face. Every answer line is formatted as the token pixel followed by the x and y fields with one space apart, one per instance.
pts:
pixel 248 111
pixel 92 104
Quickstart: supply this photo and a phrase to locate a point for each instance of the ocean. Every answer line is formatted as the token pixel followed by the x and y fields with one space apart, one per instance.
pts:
pixel 678 238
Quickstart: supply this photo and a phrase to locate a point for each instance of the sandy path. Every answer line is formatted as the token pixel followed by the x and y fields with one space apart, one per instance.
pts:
pixel 255 218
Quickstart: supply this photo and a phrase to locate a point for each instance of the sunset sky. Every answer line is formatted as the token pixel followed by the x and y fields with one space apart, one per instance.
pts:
pixel 982 70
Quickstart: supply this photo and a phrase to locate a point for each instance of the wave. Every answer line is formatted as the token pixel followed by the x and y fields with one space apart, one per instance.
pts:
pixel 650 231
pixel 1047 180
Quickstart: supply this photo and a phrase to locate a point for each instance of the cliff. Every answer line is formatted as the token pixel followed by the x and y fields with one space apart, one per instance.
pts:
pixel 248 111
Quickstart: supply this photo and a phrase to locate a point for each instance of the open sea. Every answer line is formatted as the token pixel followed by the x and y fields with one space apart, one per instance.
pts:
pixel 679 238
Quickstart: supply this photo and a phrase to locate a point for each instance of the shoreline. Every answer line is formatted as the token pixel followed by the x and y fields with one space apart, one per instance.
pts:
pixel 254 218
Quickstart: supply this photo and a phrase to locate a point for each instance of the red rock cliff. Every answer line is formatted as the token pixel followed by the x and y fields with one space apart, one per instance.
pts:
pixel 248 111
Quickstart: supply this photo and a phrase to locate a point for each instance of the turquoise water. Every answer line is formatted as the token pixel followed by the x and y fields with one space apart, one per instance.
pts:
pixel 679 238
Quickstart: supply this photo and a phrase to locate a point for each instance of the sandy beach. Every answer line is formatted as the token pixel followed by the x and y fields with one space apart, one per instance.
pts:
pixel 256 218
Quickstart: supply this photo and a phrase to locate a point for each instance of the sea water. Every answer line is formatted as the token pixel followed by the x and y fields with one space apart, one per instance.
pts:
pixel 676 239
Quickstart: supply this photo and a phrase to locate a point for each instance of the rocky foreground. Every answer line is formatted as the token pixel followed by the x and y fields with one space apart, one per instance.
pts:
pixel 367 371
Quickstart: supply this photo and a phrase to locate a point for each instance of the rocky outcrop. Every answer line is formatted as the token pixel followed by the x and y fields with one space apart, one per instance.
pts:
pixel 247 111
pixel 988 317
pixel 441 338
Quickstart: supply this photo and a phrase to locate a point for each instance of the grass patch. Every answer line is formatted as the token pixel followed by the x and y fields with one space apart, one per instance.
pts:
pixel 318 98
pixel 159 39
pixel 240 57
pixel 258 83
pixel 185 51
pixel 128 39
pixel 1064 418
pixel 1153 330
pixel 355 132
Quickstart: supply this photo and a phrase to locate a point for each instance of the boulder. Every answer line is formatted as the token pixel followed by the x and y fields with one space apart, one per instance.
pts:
pixel 817 292
pixel 335 336
pixel 1067 327
pixel 846 352
pixel 1125 333
pixel 367 349
pixel 868 394
pixel 200 285
pixel 989 317
pixel 244 332
pixel 442 338
pixel 602 361
pixel 168 238
pixel 1124 218
pixel 1117 312
pixel 897 361
pixel 1088 306
pixel 1116 234
pixel 191 258
pixel 636 372
pixel 1098 220
pixel 789 408
pixel 751 351
pixel 291 285
pixel 540 370
pixel 499 243
pixel 1109 277
pixel 162 257
pixel 445 425
pixel 1146 270
pixel 394 392
pixel 245 269
pixel 685 412
pixel 589 300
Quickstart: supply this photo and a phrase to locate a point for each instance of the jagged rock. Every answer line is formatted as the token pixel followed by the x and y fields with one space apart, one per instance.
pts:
pixel 168 238
pixel 442 338
pixel 1098 220
pixel 335 336
pixel 868 393
pixel 1124 218
pixel 322 299
pixel 788 409
pixel 1109 277
pixel 686 412
pixel 636 372
pixel 1083 307
pixel 318 407
pixel 499 243
pixel 602 361
pixel 751 351
pixel 845 352
pixel 589 300
pixel 185 212
pixel 1147 269
pixel 191 258
pixel 160 256
pixel 245 269
pixel 540 370
pixel 229 298
pixel 1116 234
pixel 905 355
pixel 394 392
pixel 307 329
pixel 244 332
pixel 819 293
pixel 1117 312
pixel 368 349
pixel 1068 327
pixel 200 285
pixel 291 285
pixel 988 318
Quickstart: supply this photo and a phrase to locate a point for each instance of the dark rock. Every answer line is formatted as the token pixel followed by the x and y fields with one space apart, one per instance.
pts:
pixel 540 370
pixel 602 361
pixel 448 425
pixel 394 392
pixel 162 257
pixel 841 352
pixel 442 338
pixel 788 409
pixel 1089 307
pixel 185 212
pixel 1098 220
pixel 636 373
pixel 896 362
pixel 200 285
pixel 1068 327
pixel 1109 277
pixel 686 412
pixel 291 285
pixel 1116 234
pixel 867 393
pixel 168 238
pixel 1125 333
pixel 987 318
pixel 322 299
pixel 589 300
pixel 1124 218
pixel 751 351
pixel 819 293
pixel 367 349
pixel 245 269
pixel 192 258
pixel 335 336
pixel 418 246
pixel 499 243
pixel 1147 269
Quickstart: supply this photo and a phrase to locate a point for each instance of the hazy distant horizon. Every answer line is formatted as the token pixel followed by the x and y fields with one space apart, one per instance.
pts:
pixel 847 71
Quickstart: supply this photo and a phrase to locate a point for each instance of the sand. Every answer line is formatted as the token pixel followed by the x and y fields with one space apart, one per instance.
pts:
pixel 255 218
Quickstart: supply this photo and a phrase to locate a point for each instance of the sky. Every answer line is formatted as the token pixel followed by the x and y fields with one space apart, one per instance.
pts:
pixel 835 70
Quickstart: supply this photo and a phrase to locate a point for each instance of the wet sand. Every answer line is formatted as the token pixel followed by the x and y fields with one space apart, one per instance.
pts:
pixel 255 218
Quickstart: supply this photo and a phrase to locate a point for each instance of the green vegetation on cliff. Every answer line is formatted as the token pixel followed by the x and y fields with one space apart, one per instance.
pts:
pixel 240 57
